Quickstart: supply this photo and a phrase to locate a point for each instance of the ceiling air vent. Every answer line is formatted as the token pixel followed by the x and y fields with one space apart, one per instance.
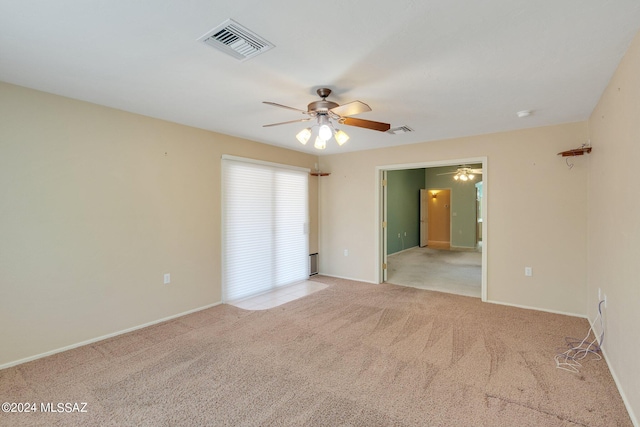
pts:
pixel 400 129
pixel 236 40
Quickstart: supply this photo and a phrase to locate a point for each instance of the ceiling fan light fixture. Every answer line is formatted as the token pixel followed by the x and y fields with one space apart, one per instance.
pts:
pixel 325 112
pixel 320 143
pixel 464 174
pixel 304 135
pixel 341 137
pixel 325 132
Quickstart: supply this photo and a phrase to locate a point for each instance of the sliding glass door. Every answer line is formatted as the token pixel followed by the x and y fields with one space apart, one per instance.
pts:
pixel 265 226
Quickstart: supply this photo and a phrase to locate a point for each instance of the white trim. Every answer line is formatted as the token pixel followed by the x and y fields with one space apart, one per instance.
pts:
pixel 434 164
pixel 103 337
pixel 404 250
pixel 383 232
pixel 627 403
pixel 262 162
pixel 348 278
pixel 439 243
pixel 526 307
pixel 464 248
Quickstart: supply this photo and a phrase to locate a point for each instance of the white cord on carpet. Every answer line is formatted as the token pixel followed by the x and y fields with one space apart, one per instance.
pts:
pixel 570 359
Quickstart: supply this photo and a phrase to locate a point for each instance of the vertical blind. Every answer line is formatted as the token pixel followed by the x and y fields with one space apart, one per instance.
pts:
pixel 265 227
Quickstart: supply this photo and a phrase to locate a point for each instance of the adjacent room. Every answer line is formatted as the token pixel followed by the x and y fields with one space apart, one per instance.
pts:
pixel 340 213
pixel 441 207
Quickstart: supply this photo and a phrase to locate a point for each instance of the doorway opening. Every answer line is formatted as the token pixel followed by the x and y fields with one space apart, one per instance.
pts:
pixel 437 218
pixel 444 241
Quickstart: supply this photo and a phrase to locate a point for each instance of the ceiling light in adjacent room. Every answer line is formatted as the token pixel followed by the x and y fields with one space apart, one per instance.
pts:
pixel 464 173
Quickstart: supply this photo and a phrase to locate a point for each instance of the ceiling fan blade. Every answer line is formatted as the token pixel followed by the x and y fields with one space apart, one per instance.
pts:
pixel 351 108
pixel 284 106
pixel 447 173
pixel 284 123
pixel 367 124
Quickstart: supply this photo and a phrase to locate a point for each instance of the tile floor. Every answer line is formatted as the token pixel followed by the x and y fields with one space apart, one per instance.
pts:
pixel 279 296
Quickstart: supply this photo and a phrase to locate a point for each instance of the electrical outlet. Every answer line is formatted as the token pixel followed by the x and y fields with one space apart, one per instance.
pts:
pixel 167 278
pixel 405 234
pixel 599 294
pixel 528 271
pixel 346 252
pixel 398 235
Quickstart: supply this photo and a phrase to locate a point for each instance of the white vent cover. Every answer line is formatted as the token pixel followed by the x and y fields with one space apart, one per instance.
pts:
pixel 236 40
pixel 400 129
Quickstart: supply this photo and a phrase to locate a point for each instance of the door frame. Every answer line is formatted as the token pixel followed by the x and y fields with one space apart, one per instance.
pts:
pixel 380 211
pixel 383 229
pixel 424 218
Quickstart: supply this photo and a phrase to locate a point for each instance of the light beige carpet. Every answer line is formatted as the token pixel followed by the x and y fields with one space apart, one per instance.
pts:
pixel 353 354
pixel 458 272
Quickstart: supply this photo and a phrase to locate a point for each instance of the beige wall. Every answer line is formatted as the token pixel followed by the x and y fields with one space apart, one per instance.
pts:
pixel 614 221
pixel 95 205
pixel 536 212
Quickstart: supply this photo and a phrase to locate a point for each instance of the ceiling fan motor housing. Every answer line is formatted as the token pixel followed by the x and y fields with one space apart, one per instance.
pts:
pixel 321 106
pixel 323 92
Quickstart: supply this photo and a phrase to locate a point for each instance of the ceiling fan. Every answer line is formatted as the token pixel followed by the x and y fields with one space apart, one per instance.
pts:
pixel 324 111
pixel 464 173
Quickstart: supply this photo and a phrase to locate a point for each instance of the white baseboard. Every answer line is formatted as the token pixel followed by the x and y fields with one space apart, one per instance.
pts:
pixel 438 243
pixel 348 278
pixel 539 309
pixel 464 248
pixel 103 337
pixel 404 250
pixel 627 404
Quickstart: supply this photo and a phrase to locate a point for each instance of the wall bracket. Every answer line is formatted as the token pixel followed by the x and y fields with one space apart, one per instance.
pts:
pixel 575 152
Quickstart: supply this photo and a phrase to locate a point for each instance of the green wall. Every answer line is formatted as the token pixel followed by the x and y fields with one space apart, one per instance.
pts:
pixel 403 208
pixel 463 203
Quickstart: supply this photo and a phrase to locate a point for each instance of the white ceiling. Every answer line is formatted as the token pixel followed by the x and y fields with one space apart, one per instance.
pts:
pixel 445 68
